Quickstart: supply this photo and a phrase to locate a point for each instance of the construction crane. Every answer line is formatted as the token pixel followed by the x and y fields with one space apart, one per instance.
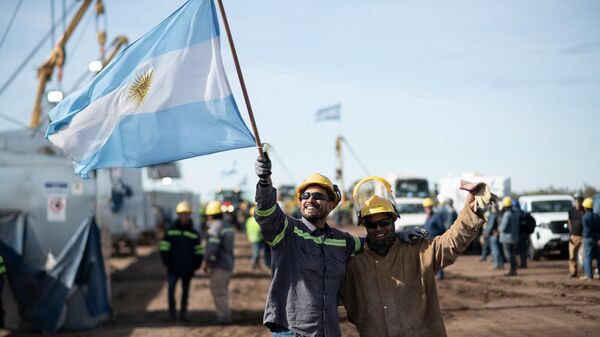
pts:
pixel 57 57
pixel 339 171
pixel 119 42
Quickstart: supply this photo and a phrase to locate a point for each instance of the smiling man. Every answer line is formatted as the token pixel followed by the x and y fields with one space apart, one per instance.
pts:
pixel 389 289
pixel 308 257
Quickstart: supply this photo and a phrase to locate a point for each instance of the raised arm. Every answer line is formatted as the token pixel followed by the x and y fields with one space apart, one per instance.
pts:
pixel 443 250
pixel 273 222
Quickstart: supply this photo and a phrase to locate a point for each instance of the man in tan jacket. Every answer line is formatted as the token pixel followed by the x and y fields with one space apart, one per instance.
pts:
pixel 389 290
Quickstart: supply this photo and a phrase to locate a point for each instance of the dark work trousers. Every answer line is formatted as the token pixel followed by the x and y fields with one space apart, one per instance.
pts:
pixel 185 288
pixel 497 254
pixel 591 251
pixel 509 253
pixel 257 247
pixel 486 249
pixel 523 249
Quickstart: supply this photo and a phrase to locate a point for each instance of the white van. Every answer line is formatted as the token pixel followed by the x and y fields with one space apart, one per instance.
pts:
pixel 409 193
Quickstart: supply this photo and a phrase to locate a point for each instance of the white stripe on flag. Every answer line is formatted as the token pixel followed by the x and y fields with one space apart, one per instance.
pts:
pixel 331 112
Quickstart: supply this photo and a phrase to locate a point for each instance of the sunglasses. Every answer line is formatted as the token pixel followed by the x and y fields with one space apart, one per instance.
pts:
pixel 379 223
pixel 315 195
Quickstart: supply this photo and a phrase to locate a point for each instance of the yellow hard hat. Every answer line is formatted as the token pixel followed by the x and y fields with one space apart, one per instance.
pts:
pixel 183 207
pixel 588 203
pixel 428 202
pixel 373 195
pixel 320 180
pixel 506 202
pixel 213 208
pixel 376 205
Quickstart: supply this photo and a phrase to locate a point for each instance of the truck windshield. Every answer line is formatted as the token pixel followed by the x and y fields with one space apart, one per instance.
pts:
pixel 551 206
pixel 229 195
pixel 411 188
pixel 410 209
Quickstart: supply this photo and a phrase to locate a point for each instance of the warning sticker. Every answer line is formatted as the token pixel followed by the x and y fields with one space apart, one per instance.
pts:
pixel 56 209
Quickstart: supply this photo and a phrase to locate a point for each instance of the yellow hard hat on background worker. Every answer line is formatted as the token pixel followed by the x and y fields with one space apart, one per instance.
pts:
pixel 506 202
pixel 427 202
pixel 183 207
pixel 213 208
pixel 588 203
pixel 317 179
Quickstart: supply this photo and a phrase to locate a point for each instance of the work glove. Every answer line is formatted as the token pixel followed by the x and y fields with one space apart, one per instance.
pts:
pixel 481 194
pixel 413 235
pixel 262 167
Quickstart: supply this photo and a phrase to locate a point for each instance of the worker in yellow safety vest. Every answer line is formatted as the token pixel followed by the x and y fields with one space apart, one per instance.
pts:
pixel 258 243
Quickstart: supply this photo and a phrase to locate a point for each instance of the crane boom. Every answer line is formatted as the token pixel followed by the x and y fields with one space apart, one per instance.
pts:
pixel 117 43
pixel 57 58
pixel 339 172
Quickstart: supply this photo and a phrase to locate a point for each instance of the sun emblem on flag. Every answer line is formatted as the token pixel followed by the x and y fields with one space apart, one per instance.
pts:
pixel 140 87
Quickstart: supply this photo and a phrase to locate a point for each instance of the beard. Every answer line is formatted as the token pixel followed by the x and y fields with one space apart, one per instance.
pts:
pixel 381 247
pixel 313 217
pixel 321 213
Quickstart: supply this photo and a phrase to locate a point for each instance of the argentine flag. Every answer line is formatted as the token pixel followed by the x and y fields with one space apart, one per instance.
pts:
pixel 164 98
pixel 329 113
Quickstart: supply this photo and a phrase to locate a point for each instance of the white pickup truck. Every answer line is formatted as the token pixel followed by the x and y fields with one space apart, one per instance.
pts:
pixel 551 232
pixel 411 212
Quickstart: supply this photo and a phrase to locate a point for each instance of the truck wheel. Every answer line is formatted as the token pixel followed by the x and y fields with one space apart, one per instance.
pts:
pixel 534 254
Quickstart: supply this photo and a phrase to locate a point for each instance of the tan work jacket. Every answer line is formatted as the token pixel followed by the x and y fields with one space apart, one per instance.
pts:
pixel 395 295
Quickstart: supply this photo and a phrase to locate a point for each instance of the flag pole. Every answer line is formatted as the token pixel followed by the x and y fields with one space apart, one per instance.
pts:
pixel 241 78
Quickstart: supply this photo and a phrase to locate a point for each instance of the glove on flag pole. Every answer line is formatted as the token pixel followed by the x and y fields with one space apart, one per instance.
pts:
pixel 164 98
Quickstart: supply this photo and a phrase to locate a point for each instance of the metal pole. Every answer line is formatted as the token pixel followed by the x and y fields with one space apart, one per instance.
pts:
pixel 340 168
pixel 241 78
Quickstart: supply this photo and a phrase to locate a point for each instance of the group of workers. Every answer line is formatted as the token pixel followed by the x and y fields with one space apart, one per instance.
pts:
pixel 385 281
pixel 315 266
pixel 182 253
pixel 506 236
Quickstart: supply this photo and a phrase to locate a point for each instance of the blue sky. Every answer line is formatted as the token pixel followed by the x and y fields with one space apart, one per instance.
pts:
pixel 430 88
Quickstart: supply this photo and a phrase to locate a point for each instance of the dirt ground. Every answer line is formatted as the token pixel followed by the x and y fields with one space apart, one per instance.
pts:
pixel 476 301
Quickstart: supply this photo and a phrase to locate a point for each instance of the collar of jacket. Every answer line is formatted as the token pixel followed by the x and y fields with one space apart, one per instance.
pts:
pixel 314 230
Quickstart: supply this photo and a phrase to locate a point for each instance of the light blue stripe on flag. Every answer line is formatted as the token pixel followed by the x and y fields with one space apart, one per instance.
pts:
pixel 329 113
pixel 166 97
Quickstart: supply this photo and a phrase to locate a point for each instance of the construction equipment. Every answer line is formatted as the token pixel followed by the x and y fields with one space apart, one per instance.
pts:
pixel 58 55
pixel 339 171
